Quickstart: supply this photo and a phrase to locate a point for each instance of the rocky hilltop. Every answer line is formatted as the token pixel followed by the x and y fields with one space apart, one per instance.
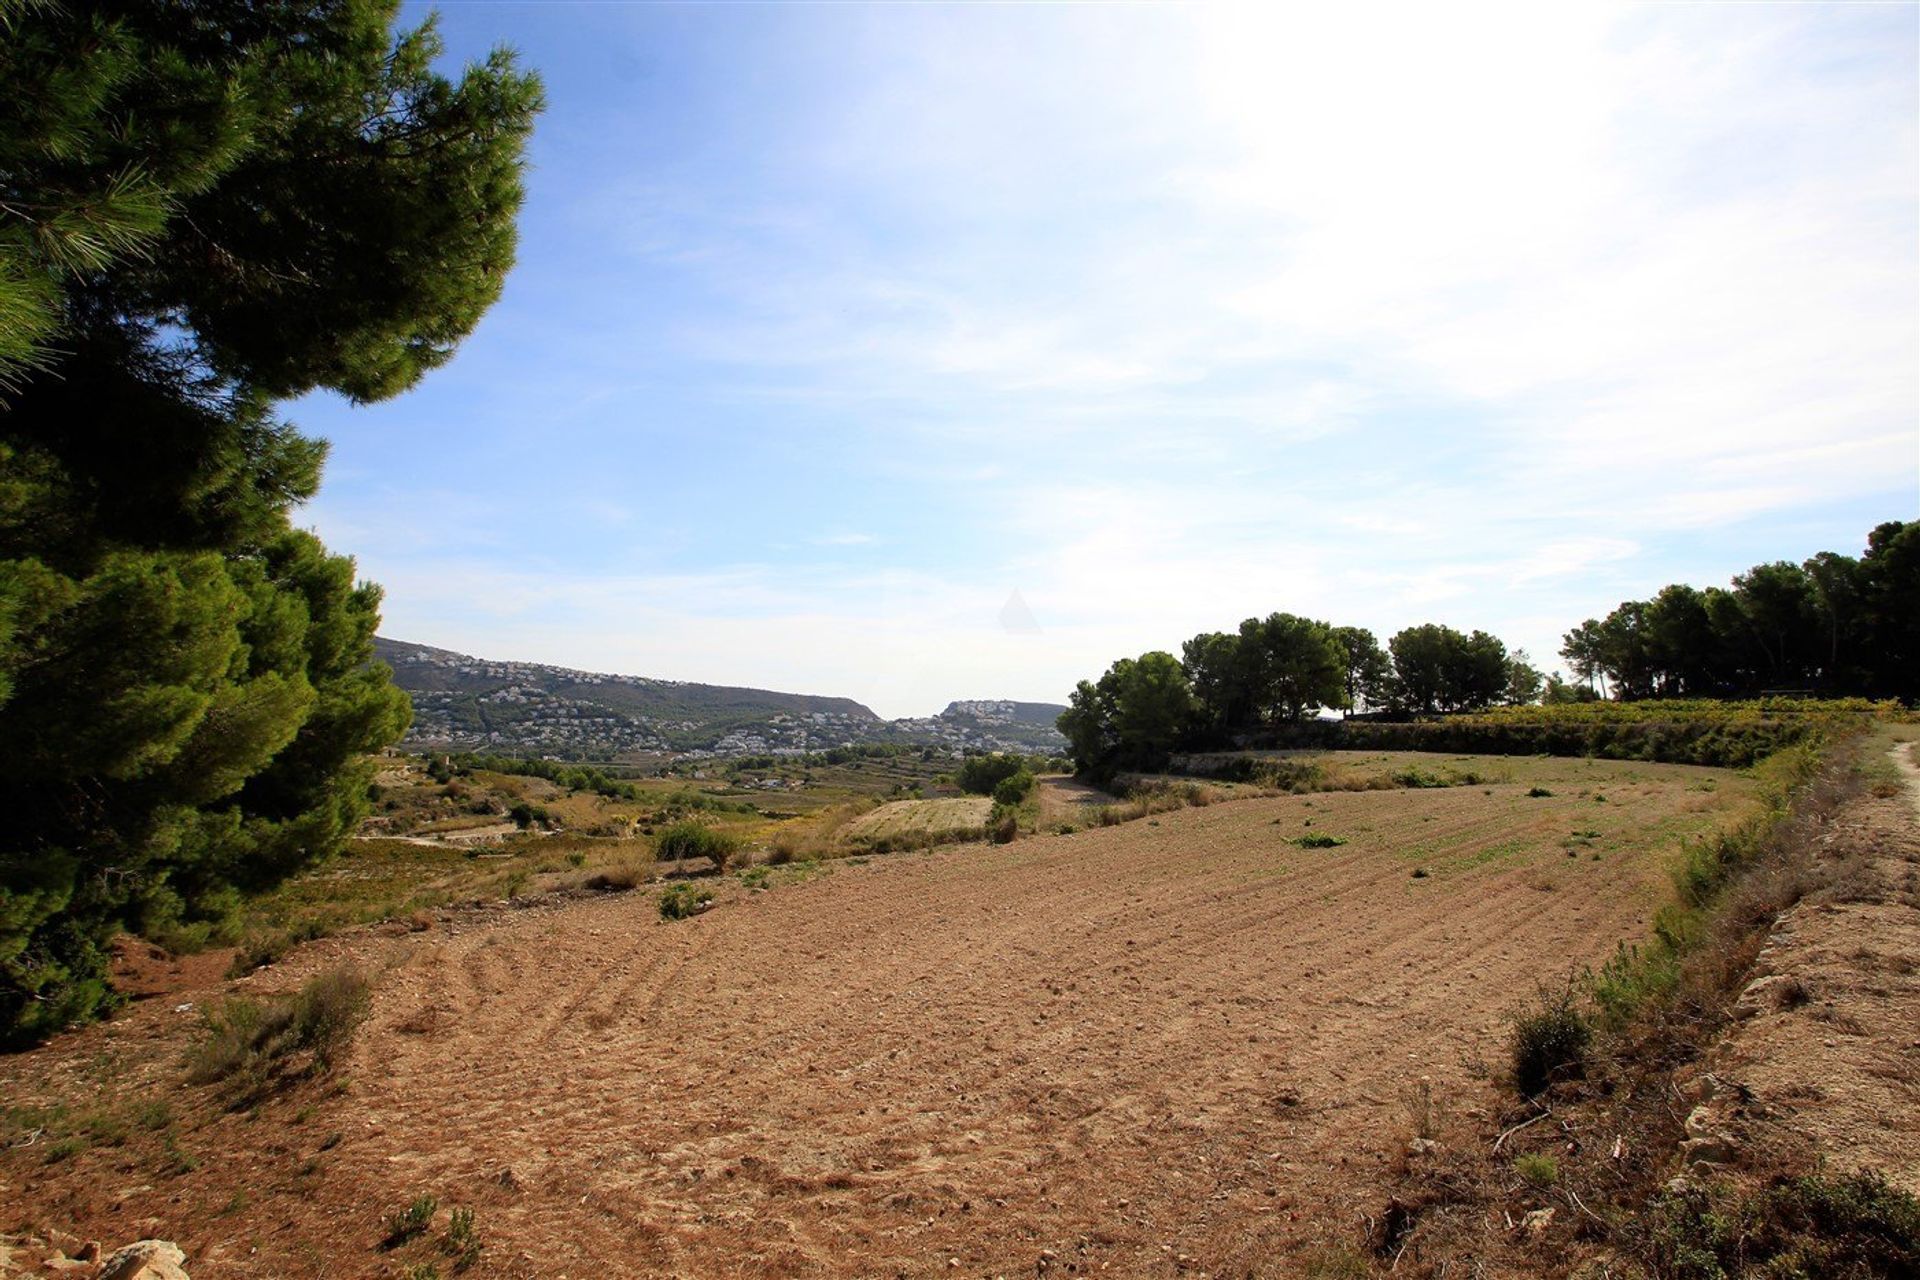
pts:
pixel 471 703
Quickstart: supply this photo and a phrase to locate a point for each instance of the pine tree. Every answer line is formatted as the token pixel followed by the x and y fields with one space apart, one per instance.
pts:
pixel 205 207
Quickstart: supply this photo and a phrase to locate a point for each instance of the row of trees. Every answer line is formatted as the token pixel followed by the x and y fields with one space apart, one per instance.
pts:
pixel 1835 624
pixel 1283 668
pixel 205 209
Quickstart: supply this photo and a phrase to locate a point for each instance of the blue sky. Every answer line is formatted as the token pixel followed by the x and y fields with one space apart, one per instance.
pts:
pixel 835 327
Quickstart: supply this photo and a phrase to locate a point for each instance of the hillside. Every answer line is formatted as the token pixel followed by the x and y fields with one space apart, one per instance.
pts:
pixel 463 701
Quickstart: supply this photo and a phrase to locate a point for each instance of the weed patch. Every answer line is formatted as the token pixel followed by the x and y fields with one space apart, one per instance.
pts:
pixel 253 1046
pixel 679 901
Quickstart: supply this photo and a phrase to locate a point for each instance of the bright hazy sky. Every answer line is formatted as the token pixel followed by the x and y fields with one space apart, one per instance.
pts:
pixel 912 353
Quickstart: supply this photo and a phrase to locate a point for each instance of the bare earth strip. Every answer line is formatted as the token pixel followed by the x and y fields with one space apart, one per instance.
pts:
pixel 1840 1065
pixel 1170 1047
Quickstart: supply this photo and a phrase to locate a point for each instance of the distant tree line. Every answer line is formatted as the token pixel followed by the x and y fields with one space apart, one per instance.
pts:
pixel 1281 669
pixel 1834 624
pixel 574 777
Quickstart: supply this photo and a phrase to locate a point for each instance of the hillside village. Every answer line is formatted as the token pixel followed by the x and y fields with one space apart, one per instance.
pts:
pixel 462 702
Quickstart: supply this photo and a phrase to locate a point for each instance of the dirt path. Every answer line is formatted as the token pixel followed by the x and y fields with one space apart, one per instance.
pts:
pixel 1179 1046
pixel 1830 1049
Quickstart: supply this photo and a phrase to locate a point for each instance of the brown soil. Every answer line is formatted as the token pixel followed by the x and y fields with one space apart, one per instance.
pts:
pixel 1178 1046
pixel 1830 1055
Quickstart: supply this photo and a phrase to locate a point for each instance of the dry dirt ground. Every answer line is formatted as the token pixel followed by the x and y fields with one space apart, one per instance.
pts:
pixel 1180 1046
pixel 1829 1050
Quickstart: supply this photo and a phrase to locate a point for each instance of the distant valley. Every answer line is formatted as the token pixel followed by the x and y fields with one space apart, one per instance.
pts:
pixel 469 703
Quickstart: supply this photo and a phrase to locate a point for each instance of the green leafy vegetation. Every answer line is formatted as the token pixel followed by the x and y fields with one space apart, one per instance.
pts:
pixel 1835 623
pixel 202 217
pixel 1850 1227
pixel 1833 626
pixel 405 1224
pixel 690 839
pixel 1537 1168
pixel 1318 840
pixel 1549 1041
pixel 679 901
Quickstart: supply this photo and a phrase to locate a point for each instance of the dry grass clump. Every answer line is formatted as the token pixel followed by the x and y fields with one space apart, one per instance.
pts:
pixel 625 873
pixel 253 1046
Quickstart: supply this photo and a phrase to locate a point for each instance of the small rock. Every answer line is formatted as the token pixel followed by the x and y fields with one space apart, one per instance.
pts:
pixel 1535 1224
pixel 1709 1149
pixel 1423 1147
pixel 1769 995
pixel 145 1260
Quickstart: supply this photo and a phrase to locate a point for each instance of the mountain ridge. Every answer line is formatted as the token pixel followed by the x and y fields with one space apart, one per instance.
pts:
pixel 470 702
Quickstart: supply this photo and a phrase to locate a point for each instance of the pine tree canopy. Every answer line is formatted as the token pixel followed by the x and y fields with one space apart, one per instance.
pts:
pixel 206 207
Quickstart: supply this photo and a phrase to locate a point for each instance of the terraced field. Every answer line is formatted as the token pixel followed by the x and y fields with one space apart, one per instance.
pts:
pixel 1178 1046
pixel 913 817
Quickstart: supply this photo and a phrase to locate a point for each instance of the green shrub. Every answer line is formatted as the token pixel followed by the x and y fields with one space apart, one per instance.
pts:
pixel 679 901
pixel 1318 840
pixel 1003 824
pixel 1549 1041
pixel 409 1222
pixel 689 839
pixel 1853 1225
pixel 1014 788
pixel 979 775
pixel 1538 793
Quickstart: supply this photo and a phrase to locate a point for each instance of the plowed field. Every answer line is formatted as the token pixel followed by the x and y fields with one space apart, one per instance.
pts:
pixel 1177 1046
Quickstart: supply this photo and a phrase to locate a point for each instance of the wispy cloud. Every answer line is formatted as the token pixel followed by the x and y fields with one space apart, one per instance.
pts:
pixel 1158 317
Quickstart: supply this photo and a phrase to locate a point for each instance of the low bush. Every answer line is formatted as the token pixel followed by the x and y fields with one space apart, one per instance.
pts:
pixel 1549 1042
pixel 979 775
pixel 409 1222
pixel 1003 824
pixel 620 877
pixel 689 839
pixel 679 901
pixel 1853 1225
pixel 1014 788
pixel 1318 840
pixel 253 1044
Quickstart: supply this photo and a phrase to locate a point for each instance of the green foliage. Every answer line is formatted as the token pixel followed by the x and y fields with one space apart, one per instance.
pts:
pixel 405 1224
pixel 679 901
pixel 1439 669
pixel 1835 623
pixel 1132 717
pixel 690 839
pixel 461 1241
pixel 1318 840
pixel 1003 824
pixel 1538 1168
pixel 980 774
pixel 1012 790
pixel 574 777
pixel 203 209
pixel 525 814
pixel 1549 1042
pixel 1854 1226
